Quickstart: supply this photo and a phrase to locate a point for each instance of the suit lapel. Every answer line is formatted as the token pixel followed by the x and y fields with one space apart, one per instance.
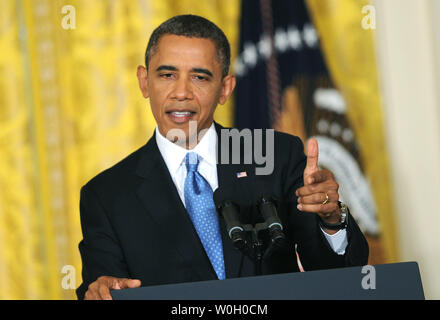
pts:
pixel 161 200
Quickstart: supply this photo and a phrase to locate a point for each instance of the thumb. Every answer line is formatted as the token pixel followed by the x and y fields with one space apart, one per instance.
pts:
pixel 312 160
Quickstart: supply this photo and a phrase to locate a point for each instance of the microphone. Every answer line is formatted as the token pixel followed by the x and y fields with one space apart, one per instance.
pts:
pixel 269 212
pixel 230 212
pixel 267 206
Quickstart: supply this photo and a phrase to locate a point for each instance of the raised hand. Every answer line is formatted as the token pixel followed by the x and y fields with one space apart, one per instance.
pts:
pixel 320 191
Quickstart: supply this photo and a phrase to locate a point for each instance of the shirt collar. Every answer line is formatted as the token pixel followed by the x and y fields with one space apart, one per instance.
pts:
pixel 174 155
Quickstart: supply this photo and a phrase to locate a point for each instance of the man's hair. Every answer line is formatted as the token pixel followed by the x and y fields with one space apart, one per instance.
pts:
pixel 192 26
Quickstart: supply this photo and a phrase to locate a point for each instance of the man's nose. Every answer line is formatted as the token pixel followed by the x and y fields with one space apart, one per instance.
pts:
pixel 182 89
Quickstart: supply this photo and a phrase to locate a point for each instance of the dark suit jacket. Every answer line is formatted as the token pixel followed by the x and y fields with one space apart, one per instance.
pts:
pixel 135 225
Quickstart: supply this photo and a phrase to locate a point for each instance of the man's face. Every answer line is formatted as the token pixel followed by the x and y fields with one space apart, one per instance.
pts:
pixel 184 83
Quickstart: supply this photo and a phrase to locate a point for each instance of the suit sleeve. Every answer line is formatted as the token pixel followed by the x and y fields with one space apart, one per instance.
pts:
pixel 312 246
pixel 100 251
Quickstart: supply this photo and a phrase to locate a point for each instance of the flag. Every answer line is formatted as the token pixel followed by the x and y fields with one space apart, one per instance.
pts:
pixel 241 174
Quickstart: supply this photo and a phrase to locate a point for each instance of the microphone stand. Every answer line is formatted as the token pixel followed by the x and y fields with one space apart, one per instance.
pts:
pixel 254 250
pixel 241 237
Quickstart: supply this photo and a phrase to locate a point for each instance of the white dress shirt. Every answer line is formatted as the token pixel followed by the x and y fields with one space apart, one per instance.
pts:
pixel 174 157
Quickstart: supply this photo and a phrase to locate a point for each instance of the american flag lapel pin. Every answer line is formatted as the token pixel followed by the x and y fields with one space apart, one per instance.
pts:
pixel 241 174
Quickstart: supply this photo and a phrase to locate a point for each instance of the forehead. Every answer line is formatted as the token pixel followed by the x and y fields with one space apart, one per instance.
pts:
pixel 183 51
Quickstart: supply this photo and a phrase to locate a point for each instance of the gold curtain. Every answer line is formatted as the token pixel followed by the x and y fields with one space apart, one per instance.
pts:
pixel 70 107
pixel 350 56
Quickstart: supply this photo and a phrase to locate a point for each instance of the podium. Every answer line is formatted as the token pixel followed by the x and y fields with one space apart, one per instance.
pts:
pixel 395 281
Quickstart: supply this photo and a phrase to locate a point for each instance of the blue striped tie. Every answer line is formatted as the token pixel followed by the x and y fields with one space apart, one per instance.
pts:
pixel 201 209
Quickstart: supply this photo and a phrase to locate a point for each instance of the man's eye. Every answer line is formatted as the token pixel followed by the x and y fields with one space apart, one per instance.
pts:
pixel 201 78
pixel 166 75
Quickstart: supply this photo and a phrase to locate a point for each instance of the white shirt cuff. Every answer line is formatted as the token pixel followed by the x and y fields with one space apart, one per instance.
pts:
pixel 337 241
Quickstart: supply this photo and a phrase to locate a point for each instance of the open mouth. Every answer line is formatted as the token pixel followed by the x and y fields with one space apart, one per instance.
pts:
pixel 180 116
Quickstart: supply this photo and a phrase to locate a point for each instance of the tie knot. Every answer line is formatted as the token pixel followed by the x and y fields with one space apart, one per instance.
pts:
pixel 191 161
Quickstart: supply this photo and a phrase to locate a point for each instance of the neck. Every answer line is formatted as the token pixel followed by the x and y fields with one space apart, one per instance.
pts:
pixel 191 142
pixel 185 141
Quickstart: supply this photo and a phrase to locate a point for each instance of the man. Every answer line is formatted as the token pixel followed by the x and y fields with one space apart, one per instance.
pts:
pixel 150 219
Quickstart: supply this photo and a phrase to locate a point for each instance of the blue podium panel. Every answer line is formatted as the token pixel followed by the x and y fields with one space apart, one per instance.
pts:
pixel 398 281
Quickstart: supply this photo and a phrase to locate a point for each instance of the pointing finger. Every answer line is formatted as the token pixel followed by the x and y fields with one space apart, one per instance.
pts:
pixel 318 198
pixel 322 187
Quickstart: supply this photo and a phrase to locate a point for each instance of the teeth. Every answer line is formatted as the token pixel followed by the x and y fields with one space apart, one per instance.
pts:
pixel 181 114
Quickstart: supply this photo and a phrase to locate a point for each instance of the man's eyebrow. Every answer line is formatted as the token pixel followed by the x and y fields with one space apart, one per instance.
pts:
pixel 173 68
pixel 202 70
pixel 165 67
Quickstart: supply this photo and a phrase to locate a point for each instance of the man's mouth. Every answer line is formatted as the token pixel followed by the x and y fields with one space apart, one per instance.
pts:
pixel 180 117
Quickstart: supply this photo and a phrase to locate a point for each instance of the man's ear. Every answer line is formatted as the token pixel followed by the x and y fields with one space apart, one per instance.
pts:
pixel 143 81
pixel 228 85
